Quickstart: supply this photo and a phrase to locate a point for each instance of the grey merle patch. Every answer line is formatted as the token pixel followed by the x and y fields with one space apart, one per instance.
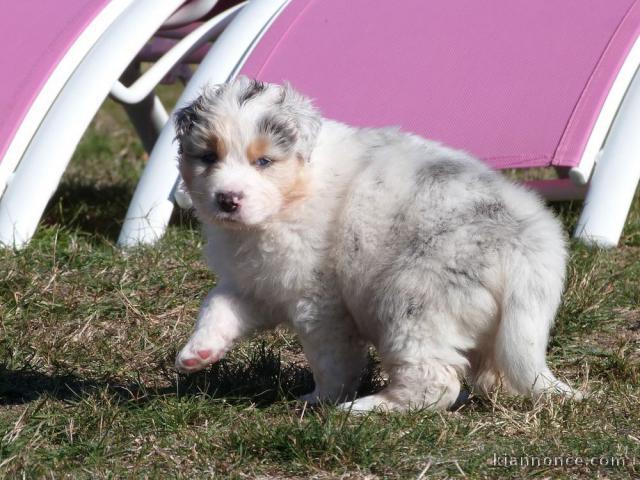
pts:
pixel 254 89
pixel 281 132
pixel 438 172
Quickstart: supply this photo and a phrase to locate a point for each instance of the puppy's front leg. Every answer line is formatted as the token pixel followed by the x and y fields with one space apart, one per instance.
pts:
pixel 224 317
pixel 337 356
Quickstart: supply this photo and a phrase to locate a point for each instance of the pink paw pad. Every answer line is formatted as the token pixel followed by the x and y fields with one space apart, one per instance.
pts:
pixel 190 362
pixel 204 354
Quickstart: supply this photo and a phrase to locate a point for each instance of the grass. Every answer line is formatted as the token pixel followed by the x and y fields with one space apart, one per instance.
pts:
pixel 88 336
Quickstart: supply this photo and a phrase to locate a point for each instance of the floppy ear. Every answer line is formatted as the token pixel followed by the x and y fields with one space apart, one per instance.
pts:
pixel 185 118
pixel 306 118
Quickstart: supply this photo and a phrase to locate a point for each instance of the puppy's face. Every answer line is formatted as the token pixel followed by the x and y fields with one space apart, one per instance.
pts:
pixel 244 150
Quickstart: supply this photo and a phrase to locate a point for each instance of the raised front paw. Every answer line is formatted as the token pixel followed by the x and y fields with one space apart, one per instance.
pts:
pixel 203 348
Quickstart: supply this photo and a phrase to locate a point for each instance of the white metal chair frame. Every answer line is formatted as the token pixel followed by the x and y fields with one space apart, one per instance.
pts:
pixel 46 140
pixel 610 165
pixel 606 177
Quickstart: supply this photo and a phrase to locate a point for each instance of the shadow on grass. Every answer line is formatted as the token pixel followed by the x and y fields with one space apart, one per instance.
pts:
pixel 263 379
pixel 94 210
pixel 260 380
pixel 98 211
pixel 24 386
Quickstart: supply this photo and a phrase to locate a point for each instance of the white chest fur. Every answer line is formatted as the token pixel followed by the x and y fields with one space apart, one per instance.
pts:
pixel 277 265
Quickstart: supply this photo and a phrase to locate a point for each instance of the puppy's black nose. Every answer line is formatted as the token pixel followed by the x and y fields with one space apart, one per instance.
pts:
pixel 228 201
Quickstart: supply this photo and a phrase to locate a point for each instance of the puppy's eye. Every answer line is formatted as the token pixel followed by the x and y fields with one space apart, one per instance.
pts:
pixel 209 158
pixel 263 162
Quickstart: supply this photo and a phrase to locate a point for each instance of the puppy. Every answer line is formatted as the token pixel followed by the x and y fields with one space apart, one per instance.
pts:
pixel 354 237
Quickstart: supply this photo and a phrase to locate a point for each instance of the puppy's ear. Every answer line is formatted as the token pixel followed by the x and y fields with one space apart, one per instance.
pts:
pixel 306 118
pixel 185 118
pixel 191 114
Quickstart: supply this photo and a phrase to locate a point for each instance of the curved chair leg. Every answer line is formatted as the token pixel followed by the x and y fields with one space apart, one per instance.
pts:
pixel 148 116
pixel 48 154
pixel 152 203
pixel 615 177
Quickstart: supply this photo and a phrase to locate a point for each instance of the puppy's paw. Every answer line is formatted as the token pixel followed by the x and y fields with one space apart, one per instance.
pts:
pixel 203 348
pixel 359 406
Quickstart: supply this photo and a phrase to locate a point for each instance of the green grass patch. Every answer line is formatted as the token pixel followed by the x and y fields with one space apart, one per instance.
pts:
pixel 88 336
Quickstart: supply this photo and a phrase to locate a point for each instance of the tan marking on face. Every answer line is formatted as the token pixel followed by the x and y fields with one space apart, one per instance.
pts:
pixel 300 189
pixel 292 179
pixel 258 148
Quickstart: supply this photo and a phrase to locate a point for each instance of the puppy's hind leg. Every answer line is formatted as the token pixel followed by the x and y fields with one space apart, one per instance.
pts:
pixel 430 384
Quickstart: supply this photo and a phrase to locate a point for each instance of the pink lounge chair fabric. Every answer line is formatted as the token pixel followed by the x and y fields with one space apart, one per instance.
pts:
pixel 34 37
pixel 518 83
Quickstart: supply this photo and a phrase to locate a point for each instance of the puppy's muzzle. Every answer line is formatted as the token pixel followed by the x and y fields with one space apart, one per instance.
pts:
pixel 228 201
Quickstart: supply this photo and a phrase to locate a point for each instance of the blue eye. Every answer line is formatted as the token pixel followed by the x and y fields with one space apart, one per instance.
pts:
pixel 263 162
pixel 209 158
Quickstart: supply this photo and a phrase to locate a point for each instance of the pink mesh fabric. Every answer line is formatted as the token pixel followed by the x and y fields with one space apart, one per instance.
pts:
pixel 34 36
pixel 517 82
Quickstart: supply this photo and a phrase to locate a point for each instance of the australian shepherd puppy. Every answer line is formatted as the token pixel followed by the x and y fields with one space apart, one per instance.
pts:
pixel 356 237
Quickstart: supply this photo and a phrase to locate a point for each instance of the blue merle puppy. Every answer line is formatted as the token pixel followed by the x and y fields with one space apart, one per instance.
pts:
pixel 356 237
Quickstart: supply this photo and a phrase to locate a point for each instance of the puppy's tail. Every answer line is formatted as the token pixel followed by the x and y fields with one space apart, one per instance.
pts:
pixel 533 287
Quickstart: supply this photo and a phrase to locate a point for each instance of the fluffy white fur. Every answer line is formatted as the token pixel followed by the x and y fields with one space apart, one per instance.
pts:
pixel 354 237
